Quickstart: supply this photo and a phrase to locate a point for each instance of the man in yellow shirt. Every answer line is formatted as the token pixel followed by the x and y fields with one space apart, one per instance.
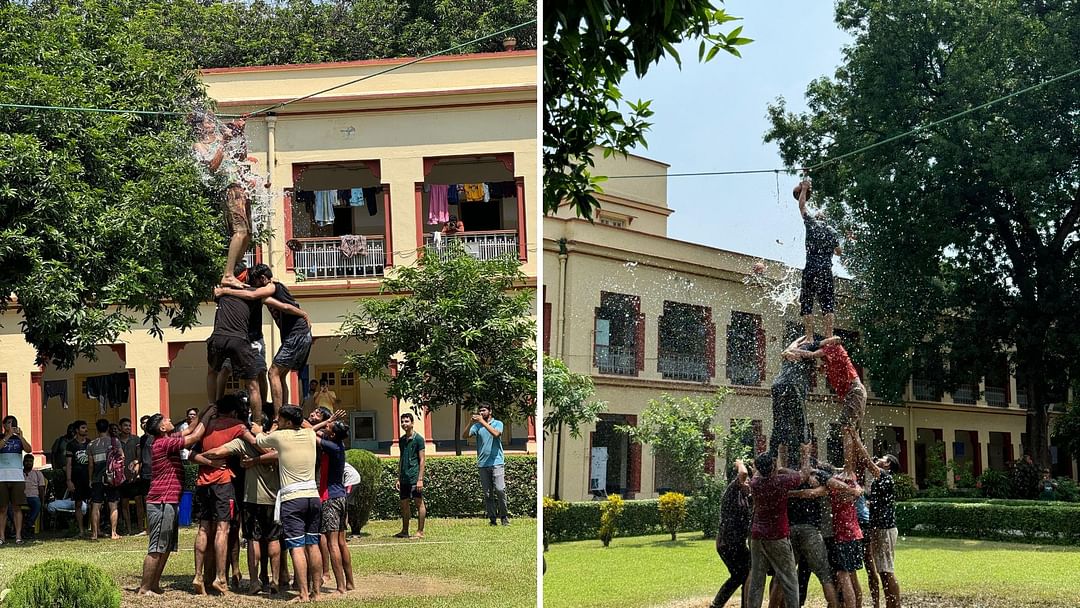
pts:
pixel 325 397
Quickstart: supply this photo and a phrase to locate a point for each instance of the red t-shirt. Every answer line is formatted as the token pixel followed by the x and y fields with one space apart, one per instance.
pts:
pixel 167 480
pixel 845 522
pixel 838 368
pixel 221 431
pixel 770 505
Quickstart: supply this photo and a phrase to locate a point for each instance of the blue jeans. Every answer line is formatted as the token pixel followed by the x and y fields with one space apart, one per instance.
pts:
pixel 34 503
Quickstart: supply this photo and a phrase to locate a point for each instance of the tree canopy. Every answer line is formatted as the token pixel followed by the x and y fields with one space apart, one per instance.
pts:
pixel 461 333
pixel 568 398
pixel 964 234
pixel 588 47
pixel 104 220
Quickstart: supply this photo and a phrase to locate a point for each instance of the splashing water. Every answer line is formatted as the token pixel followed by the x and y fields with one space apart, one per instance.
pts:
pixel 236 167
pixel 777 294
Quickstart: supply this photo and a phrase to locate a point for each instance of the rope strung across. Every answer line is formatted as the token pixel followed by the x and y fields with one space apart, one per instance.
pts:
pixel 277 105
pixel 882 142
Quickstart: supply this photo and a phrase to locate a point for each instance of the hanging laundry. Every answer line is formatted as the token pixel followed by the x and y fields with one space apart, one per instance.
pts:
pixel 356 197
pixel 324 207
pixel 343 197
pixel 110 390
pixel 487 193
pixel 438 206
pixel 452 194
pixel 474 193
pixel 436 237
pixel 118 389
pixel 56 388
pixel 371 198
pixel 353 244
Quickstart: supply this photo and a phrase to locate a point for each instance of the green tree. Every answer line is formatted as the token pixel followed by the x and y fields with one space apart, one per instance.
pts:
pixel 1067 429
pixel 588 47
pixel 104 220
pixel 680 434
pixel 965 233
pixel 462 336
pixel 567 402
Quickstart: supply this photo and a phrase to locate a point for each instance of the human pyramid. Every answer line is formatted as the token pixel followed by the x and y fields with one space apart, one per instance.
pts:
pixel 818 519
pixel 244 448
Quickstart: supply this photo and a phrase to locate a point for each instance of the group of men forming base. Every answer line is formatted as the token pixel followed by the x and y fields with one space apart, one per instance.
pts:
pixel 280 477
pixel 819 519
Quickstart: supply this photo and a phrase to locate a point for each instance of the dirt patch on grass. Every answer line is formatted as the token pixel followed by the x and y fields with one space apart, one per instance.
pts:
pixel 178 592
pixel 921 600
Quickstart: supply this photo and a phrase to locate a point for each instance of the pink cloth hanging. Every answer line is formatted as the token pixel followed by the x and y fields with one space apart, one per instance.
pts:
pixel 438 207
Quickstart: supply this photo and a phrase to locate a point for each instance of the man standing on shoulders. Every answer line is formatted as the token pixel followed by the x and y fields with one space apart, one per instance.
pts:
pixel 490 462
pixel 410 482
pixel 163 498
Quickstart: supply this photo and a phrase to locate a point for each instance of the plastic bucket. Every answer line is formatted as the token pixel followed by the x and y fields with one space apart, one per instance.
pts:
pixel 185 509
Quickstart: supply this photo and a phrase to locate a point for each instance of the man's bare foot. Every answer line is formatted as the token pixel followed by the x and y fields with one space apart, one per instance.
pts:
pixel 148 592
pixel 339 591
pixel 419 535
pixel 349 586
pixel 197 586
pixel 158 590
pixel 231 281
pixel 115 537
pixel 220 586
pixel 298 599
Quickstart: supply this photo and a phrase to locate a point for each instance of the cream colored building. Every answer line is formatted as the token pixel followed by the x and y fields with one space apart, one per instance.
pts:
pixel 464 119
pixel 644 314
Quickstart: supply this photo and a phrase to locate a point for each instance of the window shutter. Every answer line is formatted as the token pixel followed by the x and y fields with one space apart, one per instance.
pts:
pixel 547 325
pixel 710 455
pixel 633 464
pixel 760 330
pixel 596 317
pixel 759 436
pixel 639 341
pixel 710 343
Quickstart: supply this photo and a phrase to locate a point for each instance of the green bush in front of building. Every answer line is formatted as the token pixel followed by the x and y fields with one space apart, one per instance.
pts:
pixel 1032 522
pixel 452 487
pixel 63 583
pixel 362 498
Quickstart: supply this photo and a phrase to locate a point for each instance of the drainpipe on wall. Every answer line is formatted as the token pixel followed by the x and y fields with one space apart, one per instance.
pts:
pixel 271 167
pixel 560 330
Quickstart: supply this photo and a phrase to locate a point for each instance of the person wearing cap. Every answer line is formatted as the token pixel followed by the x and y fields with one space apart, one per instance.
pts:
pixel 882 501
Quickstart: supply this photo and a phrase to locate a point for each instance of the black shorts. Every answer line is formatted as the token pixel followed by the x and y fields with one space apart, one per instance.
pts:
pixel 215 502
pixel 101 493
pixel 238 351
pixel 259 523
pixel 817 283
pixel 134 489
pixel 847 557
pixel 294 350
pixel 82 491
pixel 300 521
pixel 409 490
pixel 789 420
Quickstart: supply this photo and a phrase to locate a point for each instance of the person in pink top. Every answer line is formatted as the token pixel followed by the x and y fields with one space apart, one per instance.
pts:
pixel 163 498
pixel 847 556
pixel 843 378
pixel 769 543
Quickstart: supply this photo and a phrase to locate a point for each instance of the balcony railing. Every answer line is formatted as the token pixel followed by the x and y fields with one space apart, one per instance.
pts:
pixel 966 394
pixel 995 396
pixel 249 258
pixel 677 366
pixel 321 258
pixel 926 390
pixel 486 245
pixel 616 360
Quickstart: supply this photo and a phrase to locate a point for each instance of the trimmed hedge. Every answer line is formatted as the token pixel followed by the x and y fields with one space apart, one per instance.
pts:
pixel 362 498
pixel 452 487
pixel 63 583
pixel 581 520
pixel 1005 502
pixel 1039 523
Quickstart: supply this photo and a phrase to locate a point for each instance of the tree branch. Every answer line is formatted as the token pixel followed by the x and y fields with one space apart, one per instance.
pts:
pixel 1068 223
pixel 1012 248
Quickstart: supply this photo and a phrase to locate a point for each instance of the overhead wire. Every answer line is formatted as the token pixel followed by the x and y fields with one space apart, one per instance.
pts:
pixel 882 142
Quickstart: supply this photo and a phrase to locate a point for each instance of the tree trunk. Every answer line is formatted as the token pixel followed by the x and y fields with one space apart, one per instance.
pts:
pixel 457 431
pixel 1037 423
pixel 558 456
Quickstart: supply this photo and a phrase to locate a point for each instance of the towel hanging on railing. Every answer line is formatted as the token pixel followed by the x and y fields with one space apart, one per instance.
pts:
pixel 353 244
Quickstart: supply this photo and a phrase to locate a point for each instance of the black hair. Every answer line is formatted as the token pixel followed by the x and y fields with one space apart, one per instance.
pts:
pixel 409 416
pixel 765 464
pixel 323 381
pixel 340 431
pixel 12 419
pixel 102 425
pixel 324 412
pixel 123 420
pixel 453 219
pixel 229 404
pixel 72 428
pixel 75 425
pixel 260 270
pixel 153 425
pixel 192 409
pixel 293 414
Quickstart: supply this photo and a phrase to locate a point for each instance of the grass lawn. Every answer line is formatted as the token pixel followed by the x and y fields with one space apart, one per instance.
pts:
pixel 460 563
pixel 653 571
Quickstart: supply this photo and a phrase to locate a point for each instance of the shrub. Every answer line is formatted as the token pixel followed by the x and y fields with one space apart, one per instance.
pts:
pixel 452 487
pixel 1025 480
pixel 905 486
pixel 1039 523
pixel 705 515
pixel 581 520
pixel 1067 490
pixel 672 512
pixel 610 510
pixel 362 498
pixel 63 583
pixel 1007 502
pixel 995 484
pixel 552 509
pixel 191 473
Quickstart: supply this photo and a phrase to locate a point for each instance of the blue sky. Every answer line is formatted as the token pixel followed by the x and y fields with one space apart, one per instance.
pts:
pixel 711 116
